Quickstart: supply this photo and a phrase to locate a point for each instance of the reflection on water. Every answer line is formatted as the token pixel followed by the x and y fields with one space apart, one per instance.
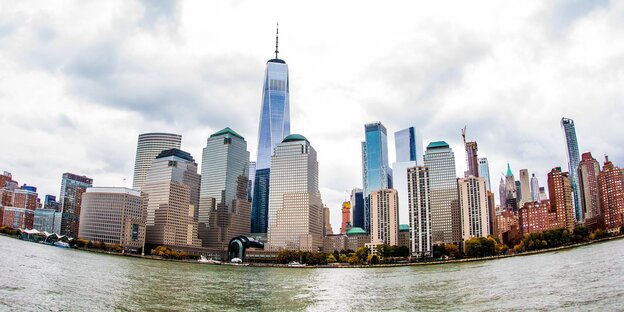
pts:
pixel 38 277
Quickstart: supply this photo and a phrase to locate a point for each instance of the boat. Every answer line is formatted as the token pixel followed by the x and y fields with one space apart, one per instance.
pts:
pixel 202 259
pixel 61 244
pixel 295 264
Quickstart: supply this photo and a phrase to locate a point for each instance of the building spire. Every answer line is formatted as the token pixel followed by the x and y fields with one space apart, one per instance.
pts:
pixel 276 40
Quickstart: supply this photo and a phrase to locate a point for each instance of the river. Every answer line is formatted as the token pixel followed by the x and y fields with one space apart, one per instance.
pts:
pixel 38 277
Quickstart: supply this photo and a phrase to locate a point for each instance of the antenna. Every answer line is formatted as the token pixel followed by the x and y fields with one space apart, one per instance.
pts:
pixel 276 40
pixel 463 132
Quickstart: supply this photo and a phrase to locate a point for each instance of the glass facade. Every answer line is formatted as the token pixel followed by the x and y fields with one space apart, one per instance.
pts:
pixel 376 173
pixel 484 171
pixel 357 208
pixel 148 147
pixel 274 127
pixel 574 158
pixel 408 145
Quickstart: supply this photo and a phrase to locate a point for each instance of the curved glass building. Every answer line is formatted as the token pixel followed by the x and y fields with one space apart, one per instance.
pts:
pixel 274 127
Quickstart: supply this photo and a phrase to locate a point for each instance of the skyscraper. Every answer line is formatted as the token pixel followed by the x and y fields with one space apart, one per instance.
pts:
pixel 408 154
pixel 588 171
pixel 610 184
pixel 274 127
pixel 252 179
pixel 534 188
pixel 172 190
pixel 346 217
pixel 148 147
pixel 295 206
pixel 572 149
pixel 72 188
pixel 474 207
pixel 508 194
pixel 560 191
pixel 376 174
pixel 421 243
pixel 484 171
pixel 525 187
pixel 445 211
pixel 224 208
pixel 357 208
pixel 384 217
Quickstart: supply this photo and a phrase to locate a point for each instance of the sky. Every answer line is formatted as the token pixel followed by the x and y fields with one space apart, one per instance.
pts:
pixel 80 80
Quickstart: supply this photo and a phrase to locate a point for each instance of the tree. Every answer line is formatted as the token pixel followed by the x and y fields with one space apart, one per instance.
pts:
pixel 401 251
pixel 362 253
pixel 373 259
pixel 439 251
pixel 480 247
pixel 452 250
pixel 330 258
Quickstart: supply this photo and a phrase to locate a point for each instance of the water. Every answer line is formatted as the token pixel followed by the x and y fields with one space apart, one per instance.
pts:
pixel 38 277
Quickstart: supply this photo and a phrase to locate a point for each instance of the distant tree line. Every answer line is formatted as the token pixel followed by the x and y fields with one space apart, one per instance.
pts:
pixel 558 237
pixel 89 244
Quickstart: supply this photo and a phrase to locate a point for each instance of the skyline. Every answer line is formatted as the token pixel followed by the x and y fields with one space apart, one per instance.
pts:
pixel 116 85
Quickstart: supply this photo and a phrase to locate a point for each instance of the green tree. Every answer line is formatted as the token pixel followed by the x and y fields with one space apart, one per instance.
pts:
pixel 373 259
pixel 452 251
pixel 362 253
pixel 330 258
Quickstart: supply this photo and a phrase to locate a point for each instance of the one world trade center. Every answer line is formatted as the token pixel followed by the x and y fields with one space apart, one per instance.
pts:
pixel 274 127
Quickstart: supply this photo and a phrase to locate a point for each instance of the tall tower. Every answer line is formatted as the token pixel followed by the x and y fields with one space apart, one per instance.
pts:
pixel 421 244
pixel 376 174
pixel 148 147
pixel 295 206
pixel 408 145
pixel 474 205
pixel 569 132
pixel 525 187
pixel 560 191
pixel 224 208
pixel 588 171
pixel 384 217
pixel 484 171
pixel 610 183
pixel 72 188
pixel 445 210
pixel 357 208
pixel 534 188
pixel 274 127
pixel 346 217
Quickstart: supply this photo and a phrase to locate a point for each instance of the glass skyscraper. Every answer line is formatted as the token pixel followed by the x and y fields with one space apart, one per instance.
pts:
pixel 274 127
pixel 408 146
pixel 573 161
pixel 376 174
pixel 484 171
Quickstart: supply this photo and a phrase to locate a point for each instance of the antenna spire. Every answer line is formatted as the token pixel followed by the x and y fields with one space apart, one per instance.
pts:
pixel 276 40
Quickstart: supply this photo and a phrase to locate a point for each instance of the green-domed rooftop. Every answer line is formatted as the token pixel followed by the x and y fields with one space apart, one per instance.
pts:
pixel 356 231
pixel 294 138
pixel 227 130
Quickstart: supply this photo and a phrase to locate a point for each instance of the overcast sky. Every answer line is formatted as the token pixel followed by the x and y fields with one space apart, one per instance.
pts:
pixel 79 80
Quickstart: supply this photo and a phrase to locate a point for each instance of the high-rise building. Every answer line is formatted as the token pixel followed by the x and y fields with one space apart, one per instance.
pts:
pixel 376 174
pixel 72 188
pixel 534 188
pixel 491 203
pixel 535 217
pixel 346 217
pixel 357 207
pixel 17 218
pixel 542 193
pixel 472 162
pixel 508 192
pixel 419 204
pixel 525 187
pixel 611 188
pixel 384 217
pixel 172 190
pixel 295 206
pixel 588 171
pixel 274 127
pixel 114 215
pixel 474 207
pixel 408 146
pixel 149 146
pixel 224 207
pixel 445 210
pixel 327 228
pixel 560 191
pixel 252 178
pixel 572 149
pixel 484 171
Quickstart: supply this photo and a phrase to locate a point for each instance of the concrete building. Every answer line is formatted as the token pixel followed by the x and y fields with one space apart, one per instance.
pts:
pixel 445 211
pixel 334 242
pixel 113 215
pixel 384 217
pixel 327 228
pixel 17 218
pixel 172 190
pixel 404 235
pixel 474 207
pixel 525 188
pixel 224 207
pixel 295 206
pixel 149 146
pixel 588 171
pixel 491 203
pixel 534 188
pixel 46 219
pixel 611 188
pixel 535 217
pixel 560 191
pixel 72 188
pixel 484 171
pixel 419 204
pixel 346 217
pixel 508 192
pixel 357 238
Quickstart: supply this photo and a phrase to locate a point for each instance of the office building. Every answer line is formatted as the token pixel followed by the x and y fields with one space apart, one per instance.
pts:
pixel 474 207
pixel 534 188
pixel 408 145
pixel 525 188
pixel 560 191
pixel 588 171
pixel 357 207
pixel 508 192
pixel 172 190
pixel 346 217
pixel 327 228
pixel 45 219
pixel 72 188
pixel 611 188
pixel 149 146
pixel 295 206
pixel 445 210
pixel 17 218
pixel 419 205
pixel 252 178
pixel 274 127
pixel 224 207
pixel 569 131
pixel 113 215
pixel 384 217
pixel 536 217
pixel 491 203
pixel 376 174
pixel 356 238
pixel 484 171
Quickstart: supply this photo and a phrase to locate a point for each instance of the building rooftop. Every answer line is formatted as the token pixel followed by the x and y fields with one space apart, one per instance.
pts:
pixel 275 60
pixel 438 144
pixel 294 138
pixel 355 231
pixel 509 173
pixel 227 130
pixel 403 227
pixel 175 152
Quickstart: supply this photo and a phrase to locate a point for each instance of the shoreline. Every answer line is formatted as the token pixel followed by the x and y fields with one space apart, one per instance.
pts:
pixel 342 266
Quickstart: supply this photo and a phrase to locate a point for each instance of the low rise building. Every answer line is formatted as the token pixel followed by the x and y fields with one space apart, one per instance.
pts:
pixel 356 238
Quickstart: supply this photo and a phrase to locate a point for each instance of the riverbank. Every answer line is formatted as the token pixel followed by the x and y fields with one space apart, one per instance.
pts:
pixel 344 265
